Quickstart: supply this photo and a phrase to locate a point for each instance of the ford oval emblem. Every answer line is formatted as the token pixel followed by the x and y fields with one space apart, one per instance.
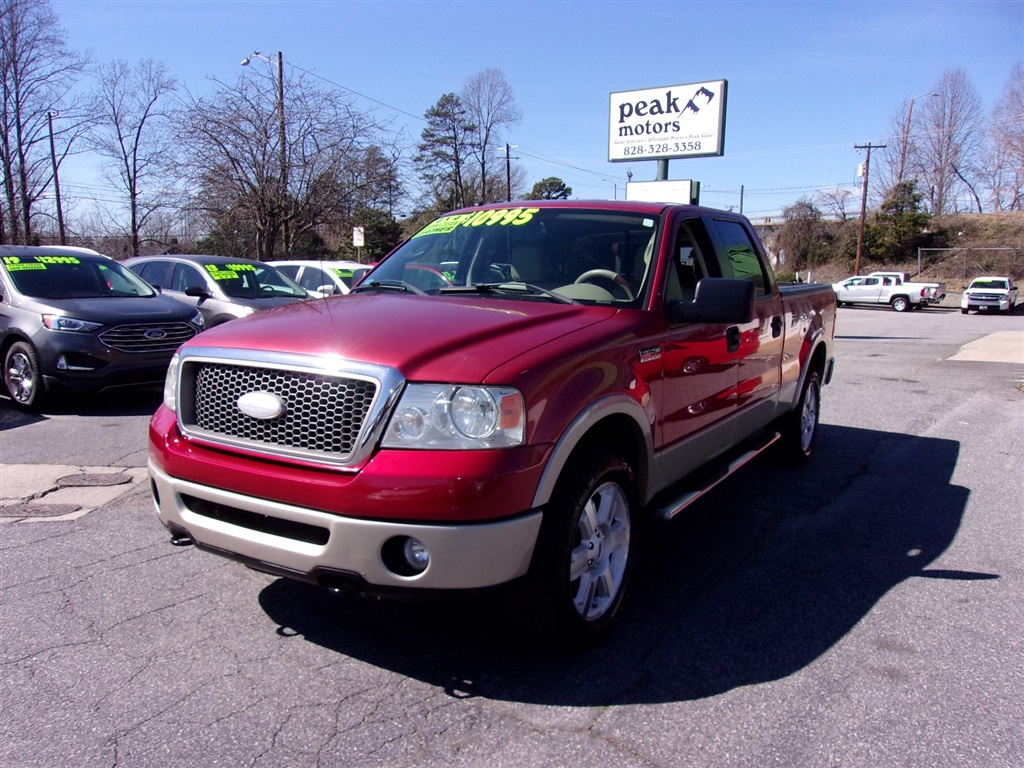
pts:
pixel 261 405
pixel 155 333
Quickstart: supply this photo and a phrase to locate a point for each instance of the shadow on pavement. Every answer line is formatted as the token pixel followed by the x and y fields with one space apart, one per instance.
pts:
pixel 129 401
pixel 756 581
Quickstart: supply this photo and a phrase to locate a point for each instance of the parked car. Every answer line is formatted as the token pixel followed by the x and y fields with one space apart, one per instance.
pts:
pixel 324 278
pixel 220 287
pixel 989 294
pixel 73 319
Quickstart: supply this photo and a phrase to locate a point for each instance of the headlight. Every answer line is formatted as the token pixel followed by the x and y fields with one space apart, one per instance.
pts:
pixel 447 416
pixel 171 384
pixel 62 323
pixel 197 320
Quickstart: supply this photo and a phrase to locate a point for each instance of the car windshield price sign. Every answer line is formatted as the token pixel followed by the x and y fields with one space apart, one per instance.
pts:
pixel 668 122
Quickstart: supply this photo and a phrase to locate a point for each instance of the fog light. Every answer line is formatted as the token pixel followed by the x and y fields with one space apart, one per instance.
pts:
pixel 405 556
pixel 416 555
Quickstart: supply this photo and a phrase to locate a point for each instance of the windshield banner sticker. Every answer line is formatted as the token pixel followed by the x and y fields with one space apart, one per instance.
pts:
pixel 505 217
pixel 14 263
pixel 230 271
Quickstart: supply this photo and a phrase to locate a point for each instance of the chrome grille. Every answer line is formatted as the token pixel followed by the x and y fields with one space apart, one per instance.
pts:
pixel 148 337
pixel 323 413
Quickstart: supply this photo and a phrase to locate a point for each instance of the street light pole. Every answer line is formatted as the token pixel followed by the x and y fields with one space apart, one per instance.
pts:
pixel 906 136
pixel 282 141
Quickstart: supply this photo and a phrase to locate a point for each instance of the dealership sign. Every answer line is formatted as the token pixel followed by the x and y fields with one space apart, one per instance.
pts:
pixel 675 121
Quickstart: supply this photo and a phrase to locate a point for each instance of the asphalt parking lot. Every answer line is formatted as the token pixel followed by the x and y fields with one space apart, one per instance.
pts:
pixel 862 611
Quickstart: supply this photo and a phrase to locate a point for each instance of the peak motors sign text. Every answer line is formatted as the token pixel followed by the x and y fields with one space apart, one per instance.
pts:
pixel 675 121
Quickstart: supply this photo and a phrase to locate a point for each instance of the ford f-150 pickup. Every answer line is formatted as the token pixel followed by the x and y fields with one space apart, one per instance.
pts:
pixel 496 404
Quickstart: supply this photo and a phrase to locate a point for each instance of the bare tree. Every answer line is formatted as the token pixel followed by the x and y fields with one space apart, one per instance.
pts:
pixel 39 73
pixel 1005 155
pixel 835 202
pixel 948 151
pixel 132 133
pixel 490 105
pixel 229 144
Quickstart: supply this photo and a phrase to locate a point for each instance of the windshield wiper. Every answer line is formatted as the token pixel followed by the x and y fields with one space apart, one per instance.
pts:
pixel 388 285
pixel 522 288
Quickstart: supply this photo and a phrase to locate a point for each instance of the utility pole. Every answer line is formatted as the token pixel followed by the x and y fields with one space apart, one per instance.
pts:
pixel 286 239
pixel 508 171
pixel 864 200
pixel 56 181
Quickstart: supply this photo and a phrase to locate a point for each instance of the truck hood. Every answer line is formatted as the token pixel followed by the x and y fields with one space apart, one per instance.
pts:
pixel 444 339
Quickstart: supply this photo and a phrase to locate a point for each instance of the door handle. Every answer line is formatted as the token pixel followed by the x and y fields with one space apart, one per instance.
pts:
pixel 732 338
pixel 776 327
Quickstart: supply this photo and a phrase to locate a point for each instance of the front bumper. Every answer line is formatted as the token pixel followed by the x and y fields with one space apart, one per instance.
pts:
pixel 72 362
pixel 333 550
pixel 984 303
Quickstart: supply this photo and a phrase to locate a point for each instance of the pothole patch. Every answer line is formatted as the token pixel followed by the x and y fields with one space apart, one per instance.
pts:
pixel 38 510
pixel 93 481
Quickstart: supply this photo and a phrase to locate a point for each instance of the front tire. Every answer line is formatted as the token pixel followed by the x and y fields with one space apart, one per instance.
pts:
pixel 584 554
pixel 22 376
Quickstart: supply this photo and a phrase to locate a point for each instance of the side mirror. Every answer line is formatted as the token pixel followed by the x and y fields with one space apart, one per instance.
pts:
pixel 196 292
pixel 326 290
pixel 727 300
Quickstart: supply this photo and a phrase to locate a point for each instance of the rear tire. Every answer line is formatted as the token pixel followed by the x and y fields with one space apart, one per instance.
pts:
pixel 22 376
pixel 584 555
pixel 800 428
pixel 900 303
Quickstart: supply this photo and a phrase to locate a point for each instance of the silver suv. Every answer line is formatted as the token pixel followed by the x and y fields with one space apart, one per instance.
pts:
pixel 220 287
pixel 73 319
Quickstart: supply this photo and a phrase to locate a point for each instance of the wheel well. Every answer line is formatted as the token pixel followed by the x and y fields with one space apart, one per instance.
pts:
pixel 620 433
pixel 10 341
pixel 818 361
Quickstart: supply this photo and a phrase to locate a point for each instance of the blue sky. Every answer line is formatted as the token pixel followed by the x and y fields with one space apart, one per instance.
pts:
pixel 807 80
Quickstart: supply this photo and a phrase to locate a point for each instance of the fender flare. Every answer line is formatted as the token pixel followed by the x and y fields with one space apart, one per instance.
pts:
pixel 603 408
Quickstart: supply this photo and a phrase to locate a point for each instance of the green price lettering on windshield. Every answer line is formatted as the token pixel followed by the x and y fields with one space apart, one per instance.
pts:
pixel 505 217
pixel 15 264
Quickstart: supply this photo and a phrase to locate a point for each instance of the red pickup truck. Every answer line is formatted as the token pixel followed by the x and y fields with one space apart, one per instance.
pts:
pixel 495 405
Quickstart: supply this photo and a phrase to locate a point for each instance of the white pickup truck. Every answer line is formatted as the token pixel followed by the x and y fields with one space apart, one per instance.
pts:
pixel 890 288
pixel 989 294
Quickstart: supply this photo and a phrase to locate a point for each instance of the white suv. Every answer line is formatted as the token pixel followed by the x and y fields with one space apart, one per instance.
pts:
pixel 324 277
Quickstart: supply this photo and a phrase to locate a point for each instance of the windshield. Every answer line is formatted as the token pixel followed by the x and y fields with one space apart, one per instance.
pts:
pixel 253 281
pixel 73 277
pixel 585 255
pixel 990 283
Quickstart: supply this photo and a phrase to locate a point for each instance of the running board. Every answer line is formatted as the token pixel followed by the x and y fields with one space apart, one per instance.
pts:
pixel 683 498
